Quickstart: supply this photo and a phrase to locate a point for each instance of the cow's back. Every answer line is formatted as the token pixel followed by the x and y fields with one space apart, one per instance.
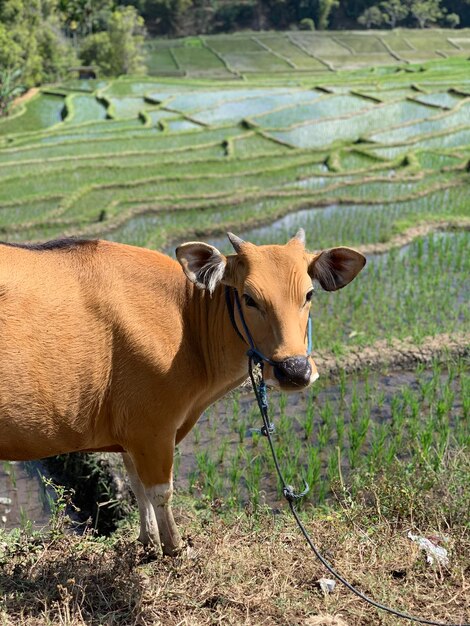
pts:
pixel 55 349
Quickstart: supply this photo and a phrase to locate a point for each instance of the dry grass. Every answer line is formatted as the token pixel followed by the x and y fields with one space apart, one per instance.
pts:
pixel 238 569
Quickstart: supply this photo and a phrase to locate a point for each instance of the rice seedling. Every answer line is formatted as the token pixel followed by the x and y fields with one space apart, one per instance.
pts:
pixel 83 108
pixel 379 422
pixel 292 53
pixel 194 158
pixel 317 108
pixel 331 132
pixel 363 45
pixel 199 61
pixel 42 111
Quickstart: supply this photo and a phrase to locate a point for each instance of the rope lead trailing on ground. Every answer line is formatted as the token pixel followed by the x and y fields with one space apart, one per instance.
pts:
pixel 256 358
pixel 292 497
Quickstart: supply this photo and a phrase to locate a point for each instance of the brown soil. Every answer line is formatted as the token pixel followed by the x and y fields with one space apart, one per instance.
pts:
pixel 407 237
pixel 26 96
pixel 394 354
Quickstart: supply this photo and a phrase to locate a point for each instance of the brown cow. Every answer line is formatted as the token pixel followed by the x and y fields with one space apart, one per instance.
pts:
pixel 105 346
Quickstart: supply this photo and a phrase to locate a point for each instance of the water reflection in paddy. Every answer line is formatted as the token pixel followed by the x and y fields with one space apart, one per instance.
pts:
pixel 22 495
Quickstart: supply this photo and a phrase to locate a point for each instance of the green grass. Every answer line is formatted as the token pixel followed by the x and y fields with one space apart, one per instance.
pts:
pixel 340 437
pixel 40 112
pixel 84 108
pixel 262 136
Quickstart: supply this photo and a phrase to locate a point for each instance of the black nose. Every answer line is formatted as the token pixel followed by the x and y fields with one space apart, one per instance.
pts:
pixel 294 371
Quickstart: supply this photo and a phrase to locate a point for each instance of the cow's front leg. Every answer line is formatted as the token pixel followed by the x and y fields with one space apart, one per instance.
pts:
pixel 161 495
pixel 149 534
pixel 155 470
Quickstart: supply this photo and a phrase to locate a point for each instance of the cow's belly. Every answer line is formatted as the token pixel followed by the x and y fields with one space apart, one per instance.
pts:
pixel 22 441
pixel 18 445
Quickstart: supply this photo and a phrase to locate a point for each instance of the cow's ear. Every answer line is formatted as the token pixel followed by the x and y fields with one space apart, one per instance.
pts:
pixel 203 264
pixel 335 268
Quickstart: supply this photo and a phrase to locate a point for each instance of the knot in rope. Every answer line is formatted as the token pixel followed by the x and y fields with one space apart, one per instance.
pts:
pixel 291 496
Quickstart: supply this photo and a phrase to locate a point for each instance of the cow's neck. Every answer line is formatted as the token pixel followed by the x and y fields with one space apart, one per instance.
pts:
pixel 222 351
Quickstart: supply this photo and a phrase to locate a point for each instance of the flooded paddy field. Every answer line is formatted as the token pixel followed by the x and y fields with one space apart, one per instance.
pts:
pixel 24 500
pixel 331 435
pixel 372 157
pixel 152 161
pixel 363 139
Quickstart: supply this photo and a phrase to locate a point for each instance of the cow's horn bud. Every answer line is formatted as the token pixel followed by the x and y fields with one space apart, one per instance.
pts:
pixel 235 241
pixel 300 236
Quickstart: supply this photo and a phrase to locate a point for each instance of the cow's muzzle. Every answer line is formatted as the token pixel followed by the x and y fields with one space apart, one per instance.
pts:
pixel 294 372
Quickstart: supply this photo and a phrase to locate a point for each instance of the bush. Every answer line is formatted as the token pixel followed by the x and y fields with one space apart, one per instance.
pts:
pixel 307 24
pixel 119 50
pixel 452 20
pixel 231 16
pixel 372 16
pixel 96 50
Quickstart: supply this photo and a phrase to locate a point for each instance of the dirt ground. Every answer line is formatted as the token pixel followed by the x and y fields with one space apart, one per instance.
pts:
pixel 241 569
pixel 26 96
pixel 394 354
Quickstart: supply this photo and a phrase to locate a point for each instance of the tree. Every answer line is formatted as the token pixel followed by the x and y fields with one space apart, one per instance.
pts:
pixel 31 40
pixel 119 49
pixel 164 16
pixel 452 20
pixel 394 11
pixel 426 11
pixel 10 88
pixel 307 24
pixel 325 8
pixel 82 17
pixel 372 16
pixel 126 33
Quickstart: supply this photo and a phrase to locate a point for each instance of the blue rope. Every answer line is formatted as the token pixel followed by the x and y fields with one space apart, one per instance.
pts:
pixel 309 335
pixel 253 352
pixel 255 357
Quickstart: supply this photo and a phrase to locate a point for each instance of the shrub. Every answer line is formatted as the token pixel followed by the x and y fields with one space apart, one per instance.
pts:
pixel 452 20
pixel 119 49
pixel 307 24
pixel 372 16
pixel 10 88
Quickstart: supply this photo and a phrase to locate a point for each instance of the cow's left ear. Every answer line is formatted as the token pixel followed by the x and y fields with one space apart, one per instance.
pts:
pixel 335 268
pixel 203 264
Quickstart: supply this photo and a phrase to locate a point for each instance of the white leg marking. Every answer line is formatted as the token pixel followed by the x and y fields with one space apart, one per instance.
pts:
pixel 148 523
pixel 160 496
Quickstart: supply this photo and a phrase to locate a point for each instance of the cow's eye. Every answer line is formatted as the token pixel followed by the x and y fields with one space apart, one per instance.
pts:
pixel 309 295
pixel 249 301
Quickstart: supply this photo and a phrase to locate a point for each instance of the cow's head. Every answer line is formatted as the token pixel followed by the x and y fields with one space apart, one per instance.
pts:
pixel 275 287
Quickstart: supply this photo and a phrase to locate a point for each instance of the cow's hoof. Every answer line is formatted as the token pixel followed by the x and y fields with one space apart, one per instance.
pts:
pixel 169 550
pixel 151 553
pixel 151 546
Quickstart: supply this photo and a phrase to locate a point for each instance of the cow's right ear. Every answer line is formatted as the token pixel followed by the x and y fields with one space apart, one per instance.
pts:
pixel 203 264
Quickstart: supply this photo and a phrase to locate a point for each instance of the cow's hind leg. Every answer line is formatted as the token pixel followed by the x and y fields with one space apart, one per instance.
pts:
pixel 149 534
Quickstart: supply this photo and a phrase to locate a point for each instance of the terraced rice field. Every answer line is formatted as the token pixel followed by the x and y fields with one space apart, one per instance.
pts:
pixel 371 157
pixel 251 55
